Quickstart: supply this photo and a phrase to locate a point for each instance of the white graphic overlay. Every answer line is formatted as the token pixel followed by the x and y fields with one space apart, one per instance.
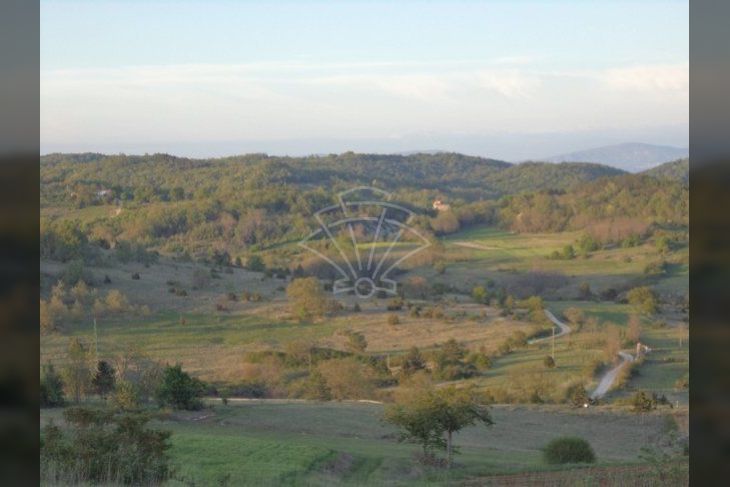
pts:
pixel 363 229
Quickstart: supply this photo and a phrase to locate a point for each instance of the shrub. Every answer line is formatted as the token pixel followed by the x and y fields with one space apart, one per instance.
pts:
pixel 577 395
pixel 179 390
pixel 643 402
pixel 393 319
pixel 316 387
pixel 480 295
pixel 395 304
pixel 356 342
pixel 480 360
pixel 104 378
pixel 549 362
pixel 125 396
pixel 102 448
pixel 568 450
pixel 116 302
pixel 307 298
pixel 413 362
pixel 568 252
pixel 255 264
pixel 51 388
pixel 347 379
pixel 643 300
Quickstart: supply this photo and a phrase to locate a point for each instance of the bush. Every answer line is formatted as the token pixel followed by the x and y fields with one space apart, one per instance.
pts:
pixel 568 450
pixel 125 396
pixel 643 299
pixel 104 378
pixel 255 264
pixel 643 402
pixel 51 388
pixel 393 319
pixel 549 362
pixel 356 342
pixel 179 390
pixel 99 447
pixel 395 304
pixel 577 395
pixel 306 298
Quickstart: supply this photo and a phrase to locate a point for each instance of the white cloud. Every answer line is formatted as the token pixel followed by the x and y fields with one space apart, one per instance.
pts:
pixel 509 83
pixel 296 99
pixel 672 78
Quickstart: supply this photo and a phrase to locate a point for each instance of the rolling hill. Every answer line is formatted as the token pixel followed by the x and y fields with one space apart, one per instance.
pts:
pixel 675 170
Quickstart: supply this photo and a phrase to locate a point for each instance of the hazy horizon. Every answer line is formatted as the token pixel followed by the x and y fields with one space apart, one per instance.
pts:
pixel 512 81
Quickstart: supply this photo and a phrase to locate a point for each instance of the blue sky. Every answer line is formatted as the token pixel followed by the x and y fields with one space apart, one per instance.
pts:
pixel 211 78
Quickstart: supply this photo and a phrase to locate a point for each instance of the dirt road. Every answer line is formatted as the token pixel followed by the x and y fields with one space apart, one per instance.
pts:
pixel 609 377
pixel 564 329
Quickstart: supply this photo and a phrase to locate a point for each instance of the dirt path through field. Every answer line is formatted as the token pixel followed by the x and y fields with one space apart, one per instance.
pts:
pixel 564 329
pixel 607 380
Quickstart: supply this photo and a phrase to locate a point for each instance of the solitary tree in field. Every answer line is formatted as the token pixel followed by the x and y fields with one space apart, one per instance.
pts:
pixel 307 298
pixel 457 409
pixel 179 390
pixel 427 414
pixel 643 300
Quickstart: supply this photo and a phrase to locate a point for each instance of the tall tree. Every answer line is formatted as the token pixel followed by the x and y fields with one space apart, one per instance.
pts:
pixel 104 378
pixel 424 414
pixel 77 372
pixel 307 298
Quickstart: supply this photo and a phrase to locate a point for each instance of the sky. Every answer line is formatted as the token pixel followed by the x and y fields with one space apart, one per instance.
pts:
pixel 511 80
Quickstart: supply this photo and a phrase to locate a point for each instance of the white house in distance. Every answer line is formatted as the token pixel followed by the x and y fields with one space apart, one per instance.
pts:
pixel 440 205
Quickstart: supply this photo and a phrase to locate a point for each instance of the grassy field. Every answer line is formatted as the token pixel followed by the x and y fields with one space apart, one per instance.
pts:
pixel 279 442
pixel 668 360
pixel 213 343
pixel 481 253
pixel 303 443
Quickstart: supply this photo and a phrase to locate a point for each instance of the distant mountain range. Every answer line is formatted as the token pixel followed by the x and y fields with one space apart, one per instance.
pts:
pixel 632 157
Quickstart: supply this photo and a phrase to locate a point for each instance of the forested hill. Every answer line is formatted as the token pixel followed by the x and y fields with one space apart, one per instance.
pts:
pixel 238 205
pixel 158 176
pixel 675 170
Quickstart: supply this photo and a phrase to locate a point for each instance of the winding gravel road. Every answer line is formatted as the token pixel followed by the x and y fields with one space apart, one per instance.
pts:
pixel 604 385
pixel 607 380
pixel 564 329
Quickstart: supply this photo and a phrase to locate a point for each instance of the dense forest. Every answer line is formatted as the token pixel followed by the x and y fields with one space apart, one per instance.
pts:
pixel 235 206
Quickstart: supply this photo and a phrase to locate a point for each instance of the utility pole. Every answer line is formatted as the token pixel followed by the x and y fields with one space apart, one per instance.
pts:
pixel 96 343
pixel 553 341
